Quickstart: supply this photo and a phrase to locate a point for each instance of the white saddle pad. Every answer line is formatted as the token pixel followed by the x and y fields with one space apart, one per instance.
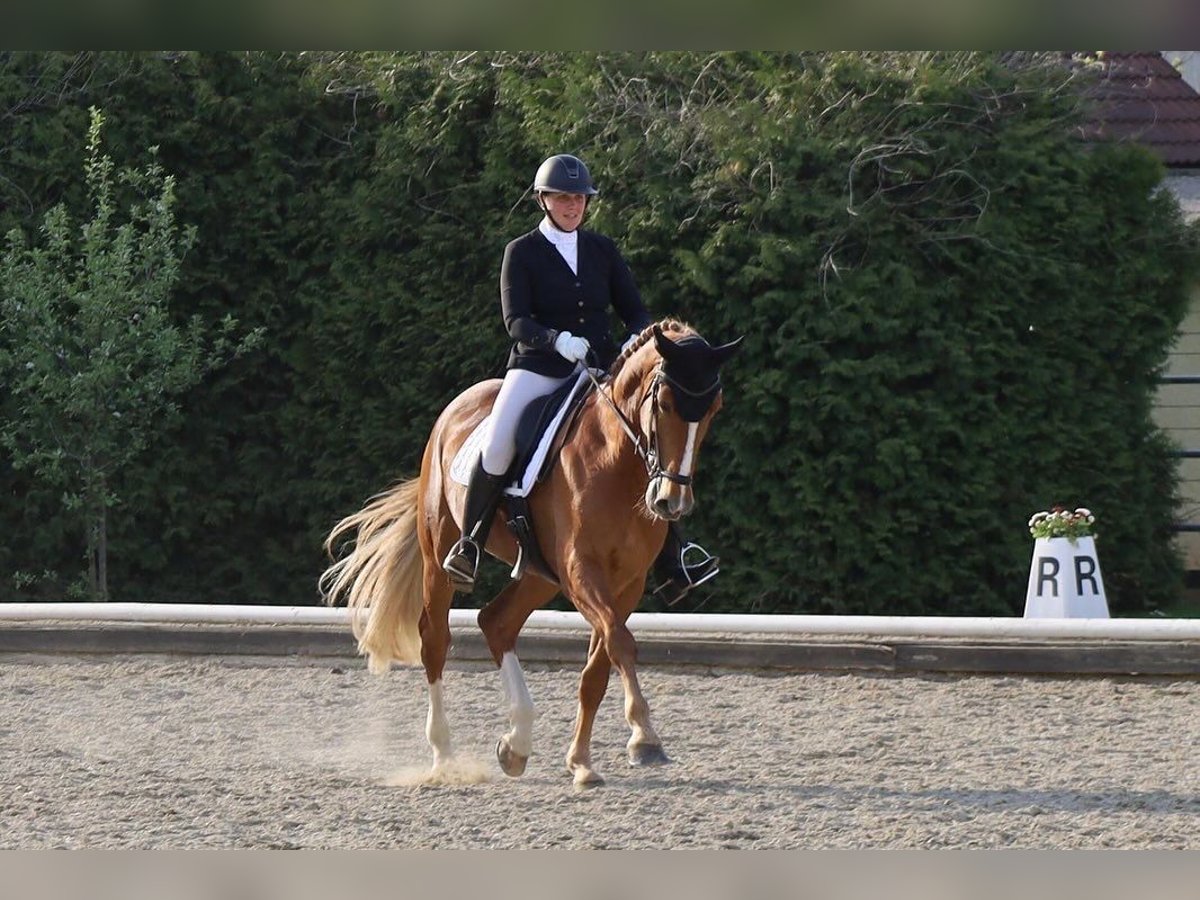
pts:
pixel 464 460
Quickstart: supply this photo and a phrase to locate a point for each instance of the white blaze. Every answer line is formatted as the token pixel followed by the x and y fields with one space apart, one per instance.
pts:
pixel 685 466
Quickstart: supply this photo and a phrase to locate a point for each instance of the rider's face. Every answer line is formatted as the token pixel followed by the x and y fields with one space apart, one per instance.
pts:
pixel 566 209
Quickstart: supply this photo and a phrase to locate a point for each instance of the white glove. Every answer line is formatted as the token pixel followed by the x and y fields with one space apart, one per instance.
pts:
pixel 571 348
pixel 629 342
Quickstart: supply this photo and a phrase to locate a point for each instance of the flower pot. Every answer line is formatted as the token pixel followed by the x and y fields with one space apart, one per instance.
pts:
pixel 1065 580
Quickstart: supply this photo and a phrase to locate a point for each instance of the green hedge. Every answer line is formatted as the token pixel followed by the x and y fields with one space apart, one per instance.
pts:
pixel 954 311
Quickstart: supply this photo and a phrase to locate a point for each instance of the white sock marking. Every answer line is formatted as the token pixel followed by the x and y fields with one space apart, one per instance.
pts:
pixel 520 704
pixel 437 727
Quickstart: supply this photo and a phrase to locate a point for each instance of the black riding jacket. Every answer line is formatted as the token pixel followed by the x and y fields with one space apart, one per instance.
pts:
pixel 541 296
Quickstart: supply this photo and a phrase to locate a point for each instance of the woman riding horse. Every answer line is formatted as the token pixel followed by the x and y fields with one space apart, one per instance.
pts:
pixel 604 511
pixel 556 286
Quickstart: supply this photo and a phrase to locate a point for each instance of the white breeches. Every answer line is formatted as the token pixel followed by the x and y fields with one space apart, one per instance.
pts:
pixel 520 388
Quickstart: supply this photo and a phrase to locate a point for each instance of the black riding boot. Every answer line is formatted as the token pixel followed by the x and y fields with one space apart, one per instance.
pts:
pixel 483 496
pixel 681 566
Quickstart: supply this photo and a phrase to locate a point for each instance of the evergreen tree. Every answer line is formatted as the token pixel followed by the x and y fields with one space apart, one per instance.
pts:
pixel 90 352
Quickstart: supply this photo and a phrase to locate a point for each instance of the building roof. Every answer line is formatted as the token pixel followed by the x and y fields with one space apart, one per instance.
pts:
pixel 1142 97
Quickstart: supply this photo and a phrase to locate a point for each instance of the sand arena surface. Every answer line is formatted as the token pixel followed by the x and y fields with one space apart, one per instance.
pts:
pixel 157 752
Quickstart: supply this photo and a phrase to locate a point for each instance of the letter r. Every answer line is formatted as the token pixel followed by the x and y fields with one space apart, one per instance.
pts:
pixel 1047 571
pixel 1085 570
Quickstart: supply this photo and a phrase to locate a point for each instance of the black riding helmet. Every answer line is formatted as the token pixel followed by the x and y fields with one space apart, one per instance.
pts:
pixel 564 174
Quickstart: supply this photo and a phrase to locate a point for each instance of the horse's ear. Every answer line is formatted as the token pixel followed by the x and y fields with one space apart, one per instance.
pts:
pixel 725 351
pixel 665 345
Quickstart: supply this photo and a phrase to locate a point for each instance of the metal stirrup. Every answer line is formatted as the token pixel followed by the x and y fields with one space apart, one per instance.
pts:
pixel 456 556
pixel 708 558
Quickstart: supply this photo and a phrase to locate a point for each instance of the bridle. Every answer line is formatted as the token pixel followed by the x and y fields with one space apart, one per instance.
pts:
pixel 650 453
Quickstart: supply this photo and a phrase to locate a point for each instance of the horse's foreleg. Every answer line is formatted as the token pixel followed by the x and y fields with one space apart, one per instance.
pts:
pixel 644 747
pixel 435 646
pixel 608 619
pixel 592 686
pixel 501 622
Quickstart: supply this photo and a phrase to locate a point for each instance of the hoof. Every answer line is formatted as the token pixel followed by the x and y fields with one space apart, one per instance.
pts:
pixel 512 764
pixel 585 778
pixel 647 755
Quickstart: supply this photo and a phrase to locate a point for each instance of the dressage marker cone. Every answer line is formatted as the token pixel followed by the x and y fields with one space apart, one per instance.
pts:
pixel 1065 580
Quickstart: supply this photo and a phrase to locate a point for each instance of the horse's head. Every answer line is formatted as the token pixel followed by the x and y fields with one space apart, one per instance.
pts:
pixel 683 396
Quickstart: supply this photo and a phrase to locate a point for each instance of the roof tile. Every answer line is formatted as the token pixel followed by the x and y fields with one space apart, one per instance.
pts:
pixel 1141 97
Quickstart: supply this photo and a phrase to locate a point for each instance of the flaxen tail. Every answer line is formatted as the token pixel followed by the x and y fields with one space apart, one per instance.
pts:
pixel 381 579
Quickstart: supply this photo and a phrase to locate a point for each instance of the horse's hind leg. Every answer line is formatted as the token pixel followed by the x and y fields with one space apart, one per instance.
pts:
pixel 435 646
pixel 593 684
pixel 501 622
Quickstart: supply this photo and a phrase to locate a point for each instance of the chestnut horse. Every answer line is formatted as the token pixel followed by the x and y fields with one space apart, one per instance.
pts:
pixel 600 516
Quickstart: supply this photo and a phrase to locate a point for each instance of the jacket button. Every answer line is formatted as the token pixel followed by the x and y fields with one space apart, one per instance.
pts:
pixel 581 303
